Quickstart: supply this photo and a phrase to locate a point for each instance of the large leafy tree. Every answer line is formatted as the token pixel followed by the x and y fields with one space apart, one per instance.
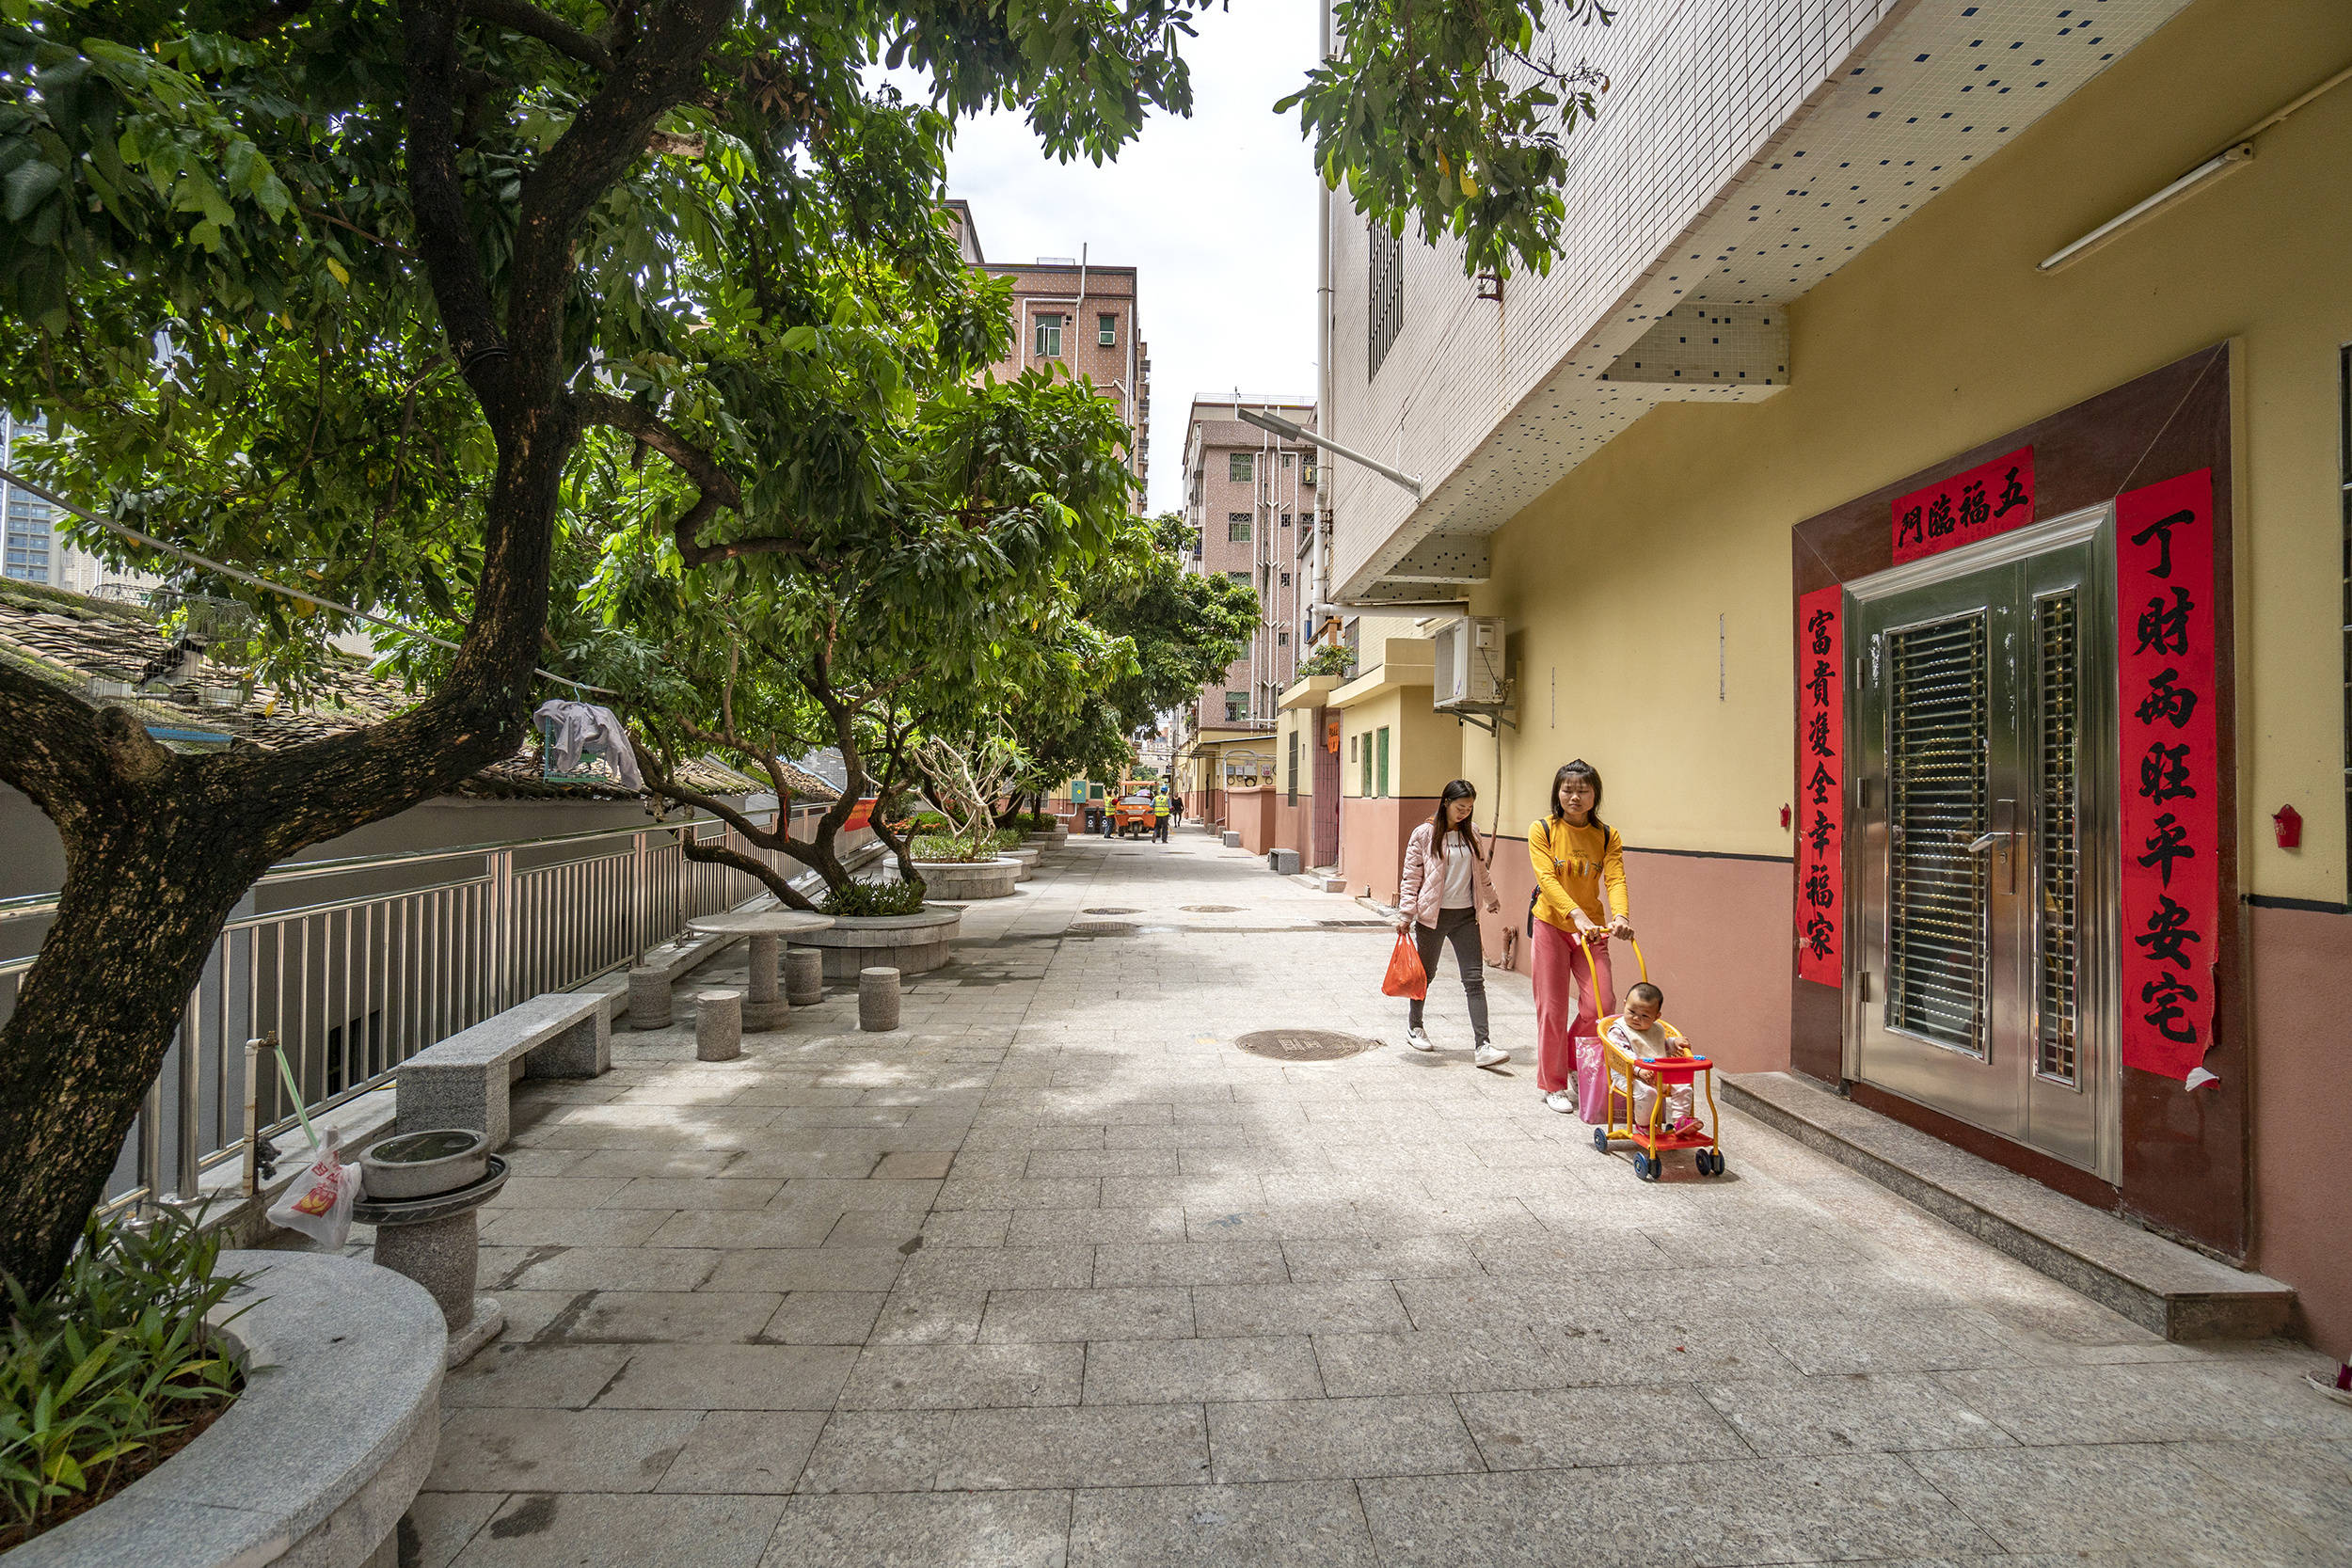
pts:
pixel 347 291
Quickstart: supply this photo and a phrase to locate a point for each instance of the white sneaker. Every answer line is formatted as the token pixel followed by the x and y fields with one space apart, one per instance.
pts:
pixel 1488 1055
pixel 1419 1039
pixel 1562 1100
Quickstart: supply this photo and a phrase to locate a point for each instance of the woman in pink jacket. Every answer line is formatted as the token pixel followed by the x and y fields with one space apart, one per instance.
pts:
pixel 1444 883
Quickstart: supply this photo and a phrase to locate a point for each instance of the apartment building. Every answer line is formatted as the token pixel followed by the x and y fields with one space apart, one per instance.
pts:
pixel 1081 316
pixel 1880 490
pixel 32 549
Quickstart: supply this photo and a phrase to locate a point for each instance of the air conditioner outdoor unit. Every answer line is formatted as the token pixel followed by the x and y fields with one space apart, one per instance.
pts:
pixel 1468 676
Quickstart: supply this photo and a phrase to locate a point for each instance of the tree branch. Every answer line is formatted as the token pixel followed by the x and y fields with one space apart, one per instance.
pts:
pixel 520 16
pixel 437 194
pixel 718 490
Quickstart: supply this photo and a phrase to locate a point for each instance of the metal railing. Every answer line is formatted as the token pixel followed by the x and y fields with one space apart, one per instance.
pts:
pixel 356 965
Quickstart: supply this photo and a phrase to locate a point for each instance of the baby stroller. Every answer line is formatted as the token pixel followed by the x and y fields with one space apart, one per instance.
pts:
pixel 1649 1137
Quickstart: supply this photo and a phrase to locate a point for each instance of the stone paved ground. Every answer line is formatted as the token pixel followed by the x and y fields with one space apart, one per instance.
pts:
pixel 1055 1275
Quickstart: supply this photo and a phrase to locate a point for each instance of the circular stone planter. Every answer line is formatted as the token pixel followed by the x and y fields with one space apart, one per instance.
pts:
pixel 319 1457
pixel 421 1165
pixel 1050 838
pixel 1028 857
pixel 958 881
pixel 910 943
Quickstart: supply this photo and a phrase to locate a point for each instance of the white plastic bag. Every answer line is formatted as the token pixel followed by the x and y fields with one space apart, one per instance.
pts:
pixel 319 1202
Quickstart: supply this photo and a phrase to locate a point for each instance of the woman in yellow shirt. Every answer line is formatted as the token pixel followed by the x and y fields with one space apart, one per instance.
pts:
pixel 1577 858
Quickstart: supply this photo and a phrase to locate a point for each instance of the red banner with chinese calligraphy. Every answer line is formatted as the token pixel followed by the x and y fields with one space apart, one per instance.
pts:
pixel 1990 498
pixel 2171 886
pixel 1820 822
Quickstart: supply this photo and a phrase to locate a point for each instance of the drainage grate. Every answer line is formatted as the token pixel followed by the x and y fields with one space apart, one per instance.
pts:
pixel 1303 1045
pixel 1211 909
pixel 1355 924
pixel 1110 911
pixel 1104 929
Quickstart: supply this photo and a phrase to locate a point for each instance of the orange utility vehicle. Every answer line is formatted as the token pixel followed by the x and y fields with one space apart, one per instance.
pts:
pixel 1131 815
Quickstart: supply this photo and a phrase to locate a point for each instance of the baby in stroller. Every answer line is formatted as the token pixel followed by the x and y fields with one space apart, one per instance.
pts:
pixel 1640 1031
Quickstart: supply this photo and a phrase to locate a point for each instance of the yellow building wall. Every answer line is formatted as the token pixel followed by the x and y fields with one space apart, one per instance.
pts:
pixel 1358 725
pixel 1941 335
pixel 1298 721
pixel 1424 752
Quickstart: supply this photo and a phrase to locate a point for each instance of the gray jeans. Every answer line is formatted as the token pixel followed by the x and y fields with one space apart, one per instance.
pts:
pixel 1460 928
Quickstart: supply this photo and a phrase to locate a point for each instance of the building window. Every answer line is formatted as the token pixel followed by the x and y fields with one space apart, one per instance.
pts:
pixel 1106 329
pixel 1241 466
pixel 1286 519
pixel 1237 527
pixel 1286 460
pixel 1380 740
pixel 1306 476
pixel 1387 294
pixel 1286 580
pixel 1293 777
pixel 1049 337
pixel 1242 578
pixel 1363 785
pixel 1236 706
pixel 1196 543
pixel 1282 637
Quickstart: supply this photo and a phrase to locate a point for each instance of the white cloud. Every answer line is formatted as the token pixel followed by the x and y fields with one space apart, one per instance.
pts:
pixel 1217 213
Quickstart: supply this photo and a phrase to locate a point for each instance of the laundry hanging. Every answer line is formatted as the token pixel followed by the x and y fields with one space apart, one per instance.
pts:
pixel 570 730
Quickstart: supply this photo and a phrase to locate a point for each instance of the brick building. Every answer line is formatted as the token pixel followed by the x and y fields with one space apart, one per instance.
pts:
pixel 1069 311
pixel 1250 498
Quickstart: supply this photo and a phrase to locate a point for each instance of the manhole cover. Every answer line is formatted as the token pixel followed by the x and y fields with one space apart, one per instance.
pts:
pixel 1212 909
pixel 1303 1045
pixel 1103 928
pixel 1110 911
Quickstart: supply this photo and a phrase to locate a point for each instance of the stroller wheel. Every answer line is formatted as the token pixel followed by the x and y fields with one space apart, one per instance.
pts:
pixel 1715 1164
pixel 1645 1166
pixel 1601 1139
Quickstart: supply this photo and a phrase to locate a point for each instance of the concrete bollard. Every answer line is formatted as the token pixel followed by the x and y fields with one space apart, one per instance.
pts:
pixel 878 1000
pixel 649 999
pixel 803 975
pixel 717 1025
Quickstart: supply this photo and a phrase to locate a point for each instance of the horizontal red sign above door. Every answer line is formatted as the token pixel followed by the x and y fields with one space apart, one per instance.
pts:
pixel 1977 504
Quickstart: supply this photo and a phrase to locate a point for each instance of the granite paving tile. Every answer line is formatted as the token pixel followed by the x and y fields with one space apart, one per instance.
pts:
pixel 976 1529
pixel 555 1531
pixel 1185 1371
pixel 1316 1439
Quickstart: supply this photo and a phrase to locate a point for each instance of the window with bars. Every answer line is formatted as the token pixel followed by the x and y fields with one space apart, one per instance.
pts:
pixel 1242 578
pixel 1286 580
pixel 1236 706
pixel 1938 717
pixel 1241 466
pixel 1049 337
pixel 1291 771
pixel 1286 519
pixel 1306 476
pixel 1387 315
pixel 1237 527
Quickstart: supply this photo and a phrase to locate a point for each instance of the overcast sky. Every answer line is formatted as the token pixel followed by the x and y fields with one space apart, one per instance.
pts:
pixel 1217 213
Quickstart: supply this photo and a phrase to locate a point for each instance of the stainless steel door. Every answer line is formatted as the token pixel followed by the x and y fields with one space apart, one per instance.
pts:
pixel 1981 820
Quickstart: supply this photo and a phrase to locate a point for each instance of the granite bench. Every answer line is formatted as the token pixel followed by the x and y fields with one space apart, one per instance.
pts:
pixel 463 1081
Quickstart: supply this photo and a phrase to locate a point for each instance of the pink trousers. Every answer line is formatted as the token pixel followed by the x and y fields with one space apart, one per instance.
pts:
pixel 1566 1006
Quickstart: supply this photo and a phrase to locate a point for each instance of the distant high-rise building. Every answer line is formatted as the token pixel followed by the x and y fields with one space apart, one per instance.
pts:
pixel 1249 496
pixel 1071 311
pixel 31 551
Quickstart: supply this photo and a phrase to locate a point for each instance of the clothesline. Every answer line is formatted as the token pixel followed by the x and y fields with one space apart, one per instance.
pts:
pixel 250 580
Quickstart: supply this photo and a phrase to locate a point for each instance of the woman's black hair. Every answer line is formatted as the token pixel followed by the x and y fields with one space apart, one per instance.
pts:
pixel 1579 769
pixel 1452 792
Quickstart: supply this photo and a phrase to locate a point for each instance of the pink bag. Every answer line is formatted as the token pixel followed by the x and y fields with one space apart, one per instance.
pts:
pixel 1592 1080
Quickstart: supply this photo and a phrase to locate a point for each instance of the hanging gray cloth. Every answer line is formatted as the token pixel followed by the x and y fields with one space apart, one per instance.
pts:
pixel 572 730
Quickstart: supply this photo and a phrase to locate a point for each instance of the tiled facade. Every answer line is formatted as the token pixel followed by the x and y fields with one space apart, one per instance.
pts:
pixel 1070 312
pixel 1250 498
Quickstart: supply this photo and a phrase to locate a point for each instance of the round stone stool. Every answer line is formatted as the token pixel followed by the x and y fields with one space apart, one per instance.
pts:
pixel 878 1000
pixel 649 999
pixel 766 1007
pixel 803 975
pixel 436 1242
pixel 717 1025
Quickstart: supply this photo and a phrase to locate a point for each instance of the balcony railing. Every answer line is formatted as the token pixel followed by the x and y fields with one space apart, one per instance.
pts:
pixel 356 965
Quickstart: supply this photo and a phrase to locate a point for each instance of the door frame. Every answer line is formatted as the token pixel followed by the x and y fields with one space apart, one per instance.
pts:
pixel 2097 894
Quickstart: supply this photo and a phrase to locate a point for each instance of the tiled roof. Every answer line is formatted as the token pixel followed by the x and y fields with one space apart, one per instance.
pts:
pixel 83 644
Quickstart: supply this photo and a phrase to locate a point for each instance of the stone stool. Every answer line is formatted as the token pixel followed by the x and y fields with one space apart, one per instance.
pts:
pixel 803 975
pixel 649 999
pixel 766 1008
pixel 878 1000
pixel 717 1025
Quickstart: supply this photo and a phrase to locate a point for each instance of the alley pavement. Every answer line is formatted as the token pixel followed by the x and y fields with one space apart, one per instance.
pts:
pixel 1057 1274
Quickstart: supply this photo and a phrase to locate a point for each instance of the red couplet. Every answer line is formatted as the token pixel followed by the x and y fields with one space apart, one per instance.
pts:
pixel 1977 504
pixel 1820 780
pixel 2172 846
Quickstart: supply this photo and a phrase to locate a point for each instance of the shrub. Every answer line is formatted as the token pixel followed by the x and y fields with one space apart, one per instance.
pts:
pixel 113 1370
pixel 874 898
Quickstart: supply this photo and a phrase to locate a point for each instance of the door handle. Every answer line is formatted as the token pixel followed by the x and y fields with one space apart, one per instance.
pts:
pixel 1982 841
pixel 2007 837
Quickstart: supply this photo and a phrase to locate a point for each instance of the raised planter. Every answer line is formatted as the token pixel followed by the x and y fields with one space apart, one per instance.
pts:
pixel 910 943
pixel 319 1457
pixel 956 881
pixel 1028 857
pixel 1051 838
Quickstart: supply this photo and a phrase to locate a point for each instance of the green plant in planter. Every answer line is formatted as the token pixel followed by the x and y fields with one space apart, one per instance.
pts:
pixel 98 1374
pixel 868 899
pixel 966 778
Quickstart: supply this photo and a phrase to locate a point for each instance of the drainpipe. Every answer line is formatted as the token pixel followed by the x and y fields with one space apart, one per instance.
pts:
pixel 1325 212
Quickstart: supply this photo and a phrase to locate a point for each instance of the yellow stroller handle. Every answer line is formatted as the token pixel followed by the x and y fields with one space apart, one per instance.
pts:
pixel 1586 943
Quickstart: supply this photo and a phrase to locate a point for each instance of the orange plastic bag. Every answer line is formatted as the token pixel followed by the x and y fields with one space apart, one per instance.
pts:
pixel 1405 977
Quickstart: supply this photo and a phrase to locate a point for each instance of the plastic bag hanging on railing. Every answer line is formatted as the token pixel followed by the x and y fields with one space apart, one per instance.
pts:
pixel 570 730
